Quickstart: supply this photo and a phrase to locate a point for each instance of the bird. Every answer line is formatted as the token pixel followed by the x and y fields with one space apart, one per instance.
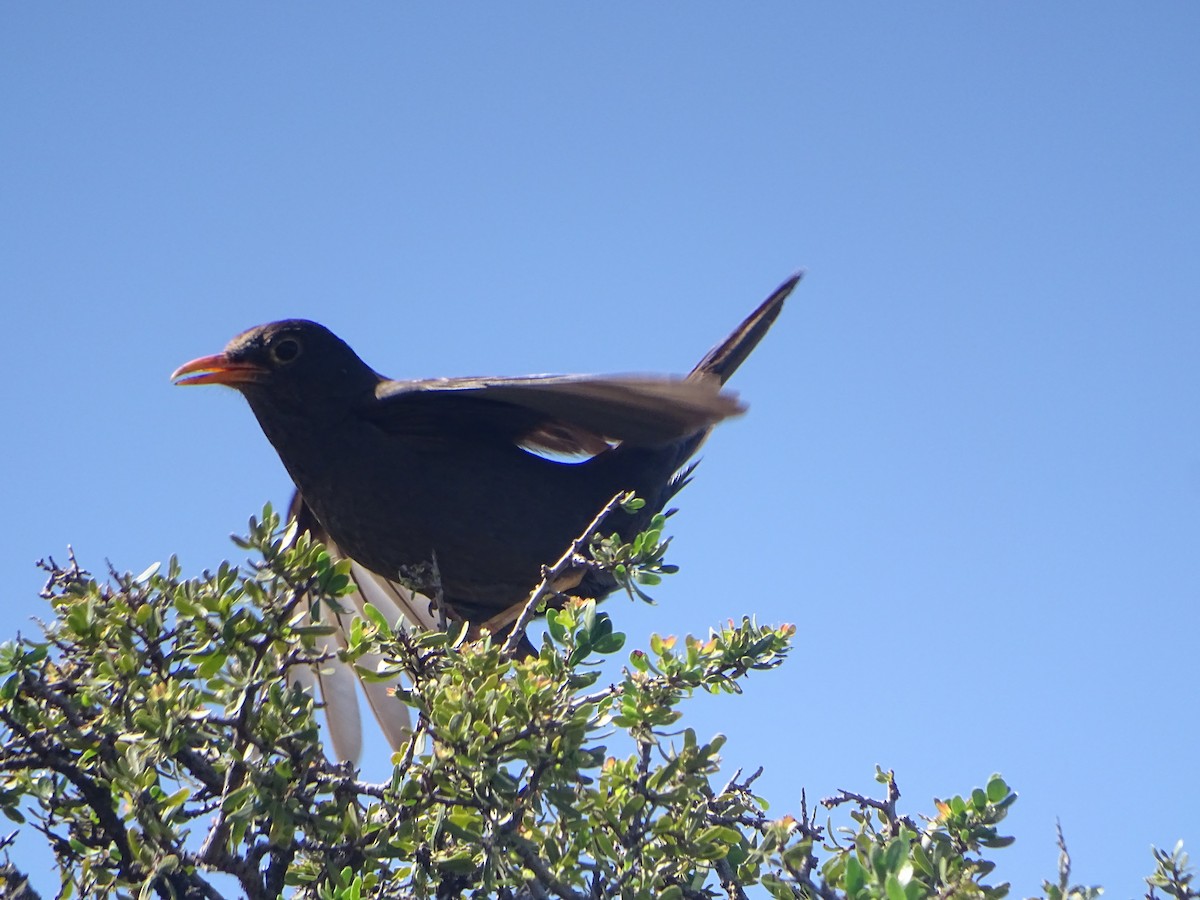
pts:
pixel 451 495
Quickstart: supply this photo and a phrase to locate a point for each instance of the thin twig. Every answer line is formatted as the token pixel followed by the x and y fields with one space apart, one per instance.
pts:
pixel 541 871
pixel 729 882
pixel 550 577
pixel 886 808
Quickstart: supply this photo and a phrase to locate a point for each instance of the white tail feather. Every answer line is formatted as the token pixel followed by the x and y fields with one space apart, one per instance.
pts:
pixel 335 679
pixel 395 601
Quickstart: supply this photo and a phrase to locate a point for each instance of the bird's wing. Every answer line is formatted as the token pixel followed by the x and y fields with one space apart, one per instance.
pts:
pixel 574 414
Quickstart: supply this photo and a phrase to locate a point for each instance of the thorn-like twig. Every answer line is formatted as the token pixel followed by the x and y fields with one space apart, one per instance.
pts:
pixel 550 577
pixel 886 808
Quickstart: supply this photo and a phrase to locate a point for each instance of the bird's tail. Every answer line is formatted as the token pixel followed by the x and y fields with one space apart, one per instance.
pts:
pixel 335 678
pixel 723 360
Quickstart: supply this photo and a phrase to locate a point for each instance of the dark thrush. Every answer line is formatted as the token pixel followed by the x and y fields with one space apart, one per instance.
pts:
pixel 445 485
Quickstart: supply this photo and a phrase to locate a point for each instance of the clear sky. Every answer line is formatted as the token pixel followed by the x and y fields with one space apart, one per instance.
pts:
pixel 971 466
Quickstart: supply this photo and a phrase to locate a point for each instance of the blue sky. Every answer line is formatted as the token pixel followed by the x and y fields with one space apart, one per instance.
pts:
pixel 971 467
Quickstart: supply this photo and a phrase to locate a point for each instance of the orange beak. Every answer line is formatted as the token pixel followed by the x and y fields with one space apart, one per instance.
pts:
pixel 218 369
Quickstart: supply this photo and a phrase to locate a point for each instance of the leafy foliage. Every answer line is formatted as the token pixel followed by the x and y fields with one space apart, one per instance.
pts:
pixel 1172 875
pixel 154 736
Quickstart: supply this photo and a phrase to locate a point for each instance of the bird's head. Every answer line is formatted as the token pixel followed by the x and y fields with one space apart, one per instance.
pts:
pixel 294 366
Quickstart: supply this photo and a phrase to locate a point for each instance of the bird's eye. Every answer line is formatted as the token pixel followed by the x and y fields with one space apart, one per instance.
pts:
pixel 286 350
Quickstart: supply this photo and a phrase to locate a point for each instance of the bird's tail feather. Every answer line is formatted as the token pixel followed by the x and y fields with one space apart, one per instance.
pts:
pixel 723 360
pixel 334 678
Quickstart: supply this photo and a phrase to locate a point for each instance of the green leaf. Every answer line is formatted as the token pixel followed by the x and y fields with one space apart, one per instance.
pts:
pixel 461 863
pixel 557 630
pixel 210 664
pixel 289 535
pixel 997 842
pixel 611 643
pixel 856 876
pixel 921 860
pixel 378 619
pixel 149 572
pixel 997 789
pixel 8 689
pixel 777 888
